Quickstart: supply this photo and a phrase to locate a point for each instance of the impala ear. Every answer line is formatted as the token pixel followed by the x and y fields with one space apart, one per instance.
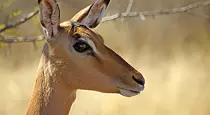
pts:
pixel 91 16
pixel 49 17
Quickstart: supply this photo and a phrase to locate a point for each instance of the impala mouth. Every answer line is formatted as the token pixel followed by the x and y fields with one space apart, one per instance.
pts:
pixel 130 92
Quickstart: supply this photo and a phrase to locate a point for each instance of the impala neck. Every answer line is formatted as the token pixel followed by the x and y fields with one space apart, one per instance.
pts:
pixel 50 96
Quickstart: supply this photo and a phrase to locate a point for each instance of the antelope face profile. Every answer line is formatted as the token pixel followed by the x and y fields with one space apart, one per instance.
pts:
pixel 75 57
pixel 86 63
pixel 90 65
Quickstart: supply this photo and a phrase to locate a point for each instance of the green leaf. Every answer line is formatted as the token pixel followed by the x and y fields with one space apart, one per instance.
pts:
pixel 6 4
pixel 36 7
pixel 1 7
pixel 14 12
pixel 2 25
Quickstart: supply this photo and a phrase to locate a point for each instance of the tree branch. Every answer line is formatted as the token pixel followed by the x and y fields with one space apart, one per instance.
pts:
pixel 155 13
pixel 18 22
pixel 130 4
pixel 127 13
pixel 14 39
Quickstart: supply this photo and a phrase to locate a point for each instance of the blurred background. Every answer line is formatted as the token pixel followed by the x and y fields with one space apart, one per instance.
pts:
pixel 172 52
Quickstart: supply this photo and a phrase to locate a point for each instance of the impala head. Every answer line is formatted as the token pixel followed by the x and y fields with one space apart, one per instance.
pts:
pixel 85 62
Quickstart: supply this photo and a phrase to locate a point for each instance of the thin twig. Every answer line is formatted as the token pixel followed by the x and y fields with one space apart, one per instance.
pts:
pixel 130 4
pixel 18 22
pixel 14 39
pixel 127 13
pixel 155 13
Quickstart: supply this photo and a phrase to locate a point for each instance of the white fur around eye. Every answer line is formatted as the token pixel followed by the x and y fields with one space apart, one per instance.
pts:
pixel 91 43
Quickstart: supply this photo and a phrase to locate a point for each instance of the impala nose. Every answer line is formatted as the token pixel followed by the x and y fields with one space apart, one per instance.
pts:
pixel 139 79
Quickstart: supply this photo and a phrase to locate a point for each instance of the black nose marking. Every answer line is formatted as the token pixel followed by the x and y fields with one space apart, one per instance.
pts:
pixel 139 81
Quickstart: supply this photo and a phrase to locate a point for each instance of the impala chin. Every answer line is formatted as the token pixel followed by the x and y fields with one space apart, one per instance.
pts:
pixel 131 92
pixel 75 57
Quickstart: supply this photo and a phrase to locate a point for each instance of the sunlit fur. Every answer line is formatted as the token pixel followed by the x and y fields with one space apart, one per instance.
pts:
pixel 63 70
pixel 90 71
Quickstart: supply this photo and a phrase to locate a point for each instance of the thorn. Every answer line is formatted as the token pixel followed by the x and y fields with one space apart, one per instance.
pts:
pixel 142 16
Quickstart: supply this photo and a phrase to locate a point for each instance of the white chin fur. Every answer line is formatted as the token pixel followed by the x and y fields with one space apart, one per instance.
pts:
pixel 128 93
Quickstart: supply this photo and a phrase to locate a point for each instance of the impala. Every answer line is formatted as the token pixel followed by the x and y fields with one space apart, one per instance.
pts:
pixel 75 57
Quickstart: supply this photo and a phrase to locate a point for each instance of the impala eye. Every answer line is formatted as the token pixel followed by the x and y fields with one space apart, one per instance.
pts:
pixel 81 47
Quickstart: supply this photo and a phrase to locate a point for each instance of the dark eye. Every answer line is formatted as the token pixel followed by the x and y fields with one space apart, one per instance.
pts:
pixel 81 46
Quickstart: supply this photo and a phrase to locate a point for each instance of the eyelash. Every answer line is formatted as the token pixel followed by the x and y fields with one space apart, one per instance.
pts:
pixel 81 46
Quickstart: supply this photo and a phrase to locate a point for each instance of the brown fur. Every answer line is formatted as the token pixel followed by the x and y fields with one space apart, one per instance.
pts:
pixel 62 70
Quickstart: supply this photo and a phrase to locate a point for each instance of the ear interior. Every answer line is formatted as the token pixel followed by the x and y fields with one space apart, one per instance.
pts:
pixel 49 17
pixel 92 15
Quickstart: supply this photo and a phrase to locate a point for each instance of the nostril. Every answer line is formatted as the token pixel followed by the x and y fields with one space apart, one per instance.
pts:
pixel 139 81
